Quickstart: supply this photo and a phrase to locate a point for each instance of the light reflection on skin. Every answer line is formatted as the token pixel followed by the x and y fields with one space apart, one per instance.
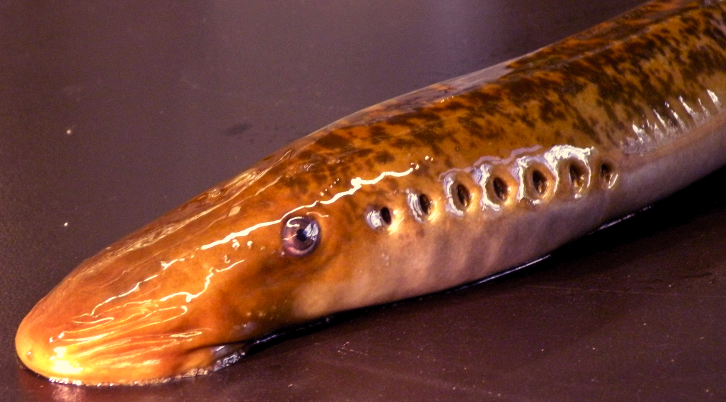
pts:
pixel 148 313
pixel 356 183
pixel 207 281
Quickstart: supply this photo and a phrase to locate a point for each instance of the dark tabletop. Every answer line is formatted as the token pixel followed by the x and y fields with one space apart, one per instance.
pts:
pixel 113 112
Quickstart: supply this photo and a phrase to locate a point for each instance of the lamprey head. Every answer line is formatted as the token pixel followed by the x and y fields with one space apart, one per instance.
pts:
pixel 170 300
pixel 198 285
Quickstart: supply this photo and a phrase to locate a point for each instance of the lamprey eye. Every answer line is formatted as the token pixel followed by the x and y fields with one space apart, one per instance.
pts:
pixel 300 235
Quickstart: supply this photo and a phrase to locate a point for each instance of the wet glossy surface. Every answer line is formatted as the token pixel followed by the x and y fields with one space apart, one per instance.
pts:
pixel 107 146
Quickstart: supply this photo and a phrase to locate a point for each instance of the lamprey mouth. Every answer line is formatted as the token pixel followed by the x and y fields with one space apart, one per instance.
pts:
pixel 114 365
pixel 135 341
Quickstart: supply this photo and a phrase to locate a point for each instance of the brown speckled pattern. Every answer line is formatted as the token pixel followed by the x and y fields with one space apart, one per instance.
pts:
pixel 585 91
pixel 427 191
pixel 650 68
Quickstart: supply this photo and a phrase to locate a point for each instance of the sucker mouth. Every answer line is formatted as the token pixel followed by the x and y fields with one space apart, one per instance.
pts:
pixel 230 354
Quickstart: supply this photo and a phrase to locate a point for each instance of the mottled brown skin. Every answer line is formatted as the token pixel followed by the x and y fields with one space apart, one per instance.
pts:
pixel 515 162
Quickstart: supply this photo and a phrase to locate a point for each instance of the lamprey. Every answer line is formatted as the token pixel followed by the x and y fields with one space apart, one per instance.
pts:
pixel 424 192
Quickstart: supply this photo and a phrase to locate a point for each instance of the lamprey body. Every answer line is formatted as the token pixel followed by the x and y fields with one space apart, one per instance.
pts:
pixel 431 190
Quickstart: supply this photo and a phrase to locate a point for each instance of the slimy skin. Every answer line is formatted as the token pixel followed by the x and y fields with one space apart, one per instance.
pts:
pixel 431 190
